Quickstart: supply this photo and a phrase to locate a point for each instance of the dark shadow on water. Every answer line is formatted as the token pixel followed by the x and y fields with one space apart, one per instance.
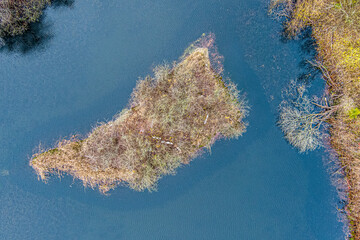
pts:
pixel 308 53
pixel 37 36
pixel 62 3
pixel 309 74
pixel 307 43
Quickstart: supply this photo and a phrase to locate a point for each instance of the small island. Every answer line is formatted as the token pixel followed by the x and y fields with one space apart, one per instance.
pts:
pixel 171 118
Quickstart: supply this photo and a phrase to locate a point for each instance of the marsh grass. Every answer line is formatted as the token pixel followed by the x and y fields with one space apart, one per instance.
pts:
pixel 170 119
pixel 335 26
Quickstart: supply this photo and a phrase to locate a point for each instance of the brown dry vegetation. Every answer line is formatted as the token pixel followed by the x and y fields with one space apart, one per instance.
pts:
pixel 16 15
pixel 335 26
pixel 171 117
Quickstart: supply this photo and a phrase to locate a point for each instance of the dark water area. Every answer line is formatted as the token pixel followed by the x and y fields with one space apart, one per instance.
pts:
pixel 256 187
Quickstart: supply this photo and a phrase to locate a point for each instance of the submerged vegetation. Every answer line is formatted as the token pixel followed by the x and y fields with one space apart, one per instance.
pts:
pixel 170 119
pixel 335 26
pixel 16 15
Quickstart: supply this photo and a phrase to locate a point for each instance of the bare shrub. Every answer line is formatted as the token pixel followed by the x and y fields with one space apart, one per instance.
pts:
pixel 301 119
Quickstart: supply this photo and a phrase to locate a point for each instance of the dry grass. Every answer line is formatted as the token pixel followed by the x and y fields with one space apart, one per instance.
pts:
pixel 335 26
pixel 171 117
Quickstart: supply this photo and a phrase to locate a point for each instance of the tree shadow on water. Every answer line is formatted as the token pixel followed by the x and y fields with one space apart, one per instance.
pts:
pixel 308 54
pixel 37 36
pixel 62 3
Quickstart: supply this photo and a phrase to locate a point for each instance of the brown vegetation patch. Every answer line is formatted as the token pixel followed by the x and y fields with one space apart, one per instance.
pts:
pixel 171 117
pixel 16 15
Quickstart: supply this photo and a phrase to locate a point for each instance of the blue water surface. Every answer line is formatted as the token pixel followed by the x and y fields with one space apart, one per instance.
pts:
pixel 256 187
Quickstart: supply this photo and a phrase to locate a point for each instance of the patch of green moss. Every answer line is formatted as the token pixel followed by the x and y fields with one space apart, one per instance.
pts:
pixel 353 113
pixel 53 151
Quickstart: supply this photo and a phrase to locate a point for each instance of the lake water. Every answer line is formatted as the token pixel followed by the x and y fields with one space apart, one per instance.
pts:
pixel 256 187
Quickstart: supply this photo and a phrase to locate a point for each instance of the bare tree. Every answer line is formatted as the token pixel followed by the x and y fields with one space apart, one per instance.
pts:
pixel 302 118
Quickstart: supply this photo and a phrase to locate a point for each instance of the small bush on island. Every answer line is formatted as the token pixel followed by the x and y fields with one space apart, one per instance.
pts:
pixel 170 119
pixel 16 15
